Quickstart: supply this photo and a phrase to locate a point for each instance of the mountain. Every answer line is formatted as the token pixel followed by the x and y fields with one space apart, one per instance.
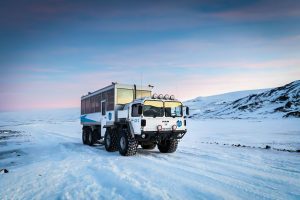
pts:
pixel 266 103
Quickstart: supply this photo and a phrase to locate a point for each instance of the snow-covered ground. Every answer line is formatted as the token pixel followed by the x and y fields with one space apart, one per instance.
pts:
pixel 46 160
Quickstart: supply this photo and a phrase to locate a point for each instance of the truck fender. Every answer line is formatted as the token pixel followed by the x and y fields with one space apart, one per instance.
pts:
pixel 130 128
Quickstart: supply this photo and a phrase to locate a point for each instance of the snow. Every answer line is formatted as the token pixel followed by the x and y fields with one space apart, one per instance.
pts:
pixel 47 160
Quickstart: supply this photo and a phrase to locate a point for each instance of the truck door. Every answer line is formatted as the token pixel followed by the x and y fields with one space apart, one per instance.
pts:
pixel 135 118
pixel 103 117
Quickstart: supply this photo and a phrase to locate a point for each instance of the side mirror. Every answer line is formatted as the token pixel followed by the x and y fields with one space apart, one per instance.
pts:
pixel 140 109
pixel 187 111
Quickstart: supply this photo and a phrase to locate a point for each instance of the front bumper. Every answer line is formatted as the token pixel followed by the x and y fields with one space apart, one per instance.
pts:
pixel 153 136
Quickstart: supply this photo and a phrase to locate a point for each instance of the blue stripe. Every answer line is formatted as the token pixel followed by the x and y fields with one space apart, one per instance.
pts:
pixel 84 119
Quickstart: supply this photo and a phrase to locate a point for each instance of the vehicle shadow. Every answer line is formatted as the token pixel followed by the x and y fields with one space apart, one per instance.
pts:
pixel 74 146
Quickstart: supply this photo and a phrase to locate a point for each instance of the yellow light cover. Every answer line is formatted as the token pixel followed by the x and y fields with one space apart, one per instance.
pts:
pixel 172 104
pixel 158 104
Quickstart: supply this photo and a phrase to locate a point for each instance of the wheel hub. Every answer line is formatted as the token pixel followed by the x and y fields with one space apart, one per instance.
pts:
pixel 90 137
pixel 108 139
pixel 122 143
pixel 83 138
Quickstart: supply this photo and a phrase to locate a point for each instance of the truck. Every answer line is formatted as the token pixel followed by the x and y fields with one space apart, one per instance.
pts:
pixel 124 116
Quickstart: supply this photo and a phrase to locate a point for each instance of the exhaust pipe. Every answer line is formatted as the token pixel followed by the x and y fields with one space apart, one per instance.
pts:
pixel 134 92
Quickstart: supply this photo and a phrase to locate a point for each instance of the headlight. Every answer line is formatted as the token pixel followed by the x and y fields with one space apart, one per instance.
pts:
pixel 172 97
pixel 174 127
pixel 160 96
pixel 166 96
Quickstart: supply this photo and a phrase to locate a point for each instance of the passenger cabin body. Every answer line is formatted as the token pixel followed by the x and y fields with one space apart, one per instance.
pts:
pixel 100 108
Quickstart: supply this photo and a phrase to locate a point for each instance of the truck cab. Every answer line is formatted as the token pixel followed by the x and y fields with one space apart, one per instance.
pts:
pixel 153 117
pixel 157 120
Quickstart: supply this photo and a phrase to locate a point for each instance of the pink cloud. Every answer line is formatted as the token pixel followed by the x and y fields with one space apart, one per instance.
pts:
pixel 201 85
pixel 33 94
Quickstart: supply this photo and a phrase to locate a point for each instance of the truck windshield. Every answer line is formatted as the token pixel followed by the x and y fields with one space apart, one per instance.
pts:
pixel 173 109
pixel 153 109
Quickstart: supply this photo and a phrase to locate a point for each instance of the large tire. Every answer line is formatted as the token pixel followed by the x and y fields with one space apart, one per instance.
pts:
pixel 168 146
pixel 148 146
pixel 84 135
pixel 110 141
pixel 91 137
pixel 127 144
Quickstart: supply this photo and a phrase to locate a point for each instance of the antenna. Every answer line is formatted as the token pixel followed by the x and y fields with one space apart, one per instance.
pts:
pixel 141 83
pixel 177 91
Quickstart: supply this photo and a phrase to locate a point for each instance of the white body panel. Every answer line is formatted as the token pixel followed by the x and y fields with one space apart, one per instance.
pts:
pixel 122 114
pixel 103 113
pixel 136 124
pixel 103 123
pixel 165 122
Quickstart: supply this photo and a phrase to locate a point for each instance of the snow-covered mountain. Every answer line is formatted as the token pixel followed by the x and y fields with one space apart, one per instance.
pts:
pixel 266 103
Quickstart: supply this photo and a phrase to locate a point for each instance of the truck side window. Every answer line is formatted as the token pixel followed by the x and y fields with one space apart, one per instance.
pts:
pixel 135 110
pixel 103 108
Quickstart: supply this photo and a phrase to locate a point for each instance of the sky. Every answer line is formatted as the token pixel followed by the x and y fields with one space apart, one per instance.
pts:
pixel 53 52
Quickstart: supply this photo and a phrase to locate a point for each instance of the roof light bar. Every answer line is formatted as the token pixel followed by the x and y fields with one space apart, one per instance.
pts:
pixel 154 96
pixel 161 96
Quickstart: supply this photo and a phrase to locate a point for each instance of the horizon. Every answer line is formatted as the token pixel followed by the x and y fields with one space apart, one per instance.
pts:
pixel 53 52
pixel 78 107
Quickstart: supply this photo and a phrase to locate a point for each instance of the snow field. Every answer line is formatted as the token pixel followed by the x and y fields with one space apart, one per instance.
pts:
pixel 54 164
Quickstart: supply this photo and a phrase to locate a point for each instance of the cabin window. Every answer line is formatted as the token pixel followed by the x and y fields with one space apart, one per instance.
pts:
pixel 143 93
pixel 135 110
pixel 153 108
pixel 82 107
pixel 97 103
pixel 93 105
pixel 103 108
pixel 88 105
pixel 124 96
pixel 173 109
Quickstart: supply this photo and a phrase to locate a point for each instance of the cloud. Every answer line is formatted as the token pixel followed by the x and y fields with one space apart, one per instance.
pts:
pixel 32 69
pixel 143 15
pixel 194 53
pixel 262 10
